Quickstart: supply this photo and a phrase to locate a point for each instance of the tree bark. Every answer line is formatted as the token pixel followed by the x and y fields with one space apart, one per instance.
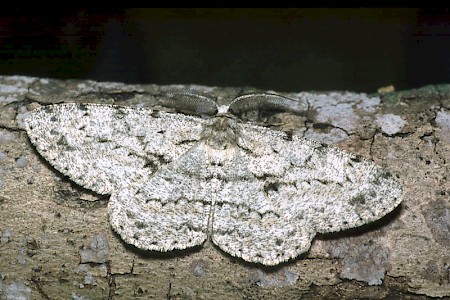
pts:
pixel 56 242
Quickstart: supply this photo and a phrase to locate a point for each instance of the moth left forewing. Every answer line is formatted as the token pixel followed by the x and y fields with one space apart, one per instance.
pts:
pixel 104 147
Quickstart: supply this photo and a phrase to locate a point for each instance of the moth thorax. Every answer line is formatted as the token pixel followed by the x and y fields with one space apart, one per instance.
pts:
pixel 221 134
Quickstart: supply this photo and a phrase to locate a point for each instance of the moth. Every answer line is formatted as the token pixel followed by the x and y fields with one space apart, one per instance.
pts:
pixel 176 180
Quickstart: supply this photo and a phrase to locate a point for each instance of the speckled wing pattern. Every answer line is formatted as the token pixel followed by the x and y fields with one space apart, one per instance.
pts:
pixel 105 147
pixel 177 180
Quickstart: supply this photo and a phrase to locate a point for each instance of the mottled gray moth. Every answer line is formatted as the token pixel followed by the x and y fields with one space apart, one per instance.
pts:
pixel 176 180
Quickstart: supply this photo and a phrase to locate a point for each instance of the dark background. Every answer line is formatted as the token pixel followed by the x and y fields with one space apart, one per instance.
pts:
pixel 358 49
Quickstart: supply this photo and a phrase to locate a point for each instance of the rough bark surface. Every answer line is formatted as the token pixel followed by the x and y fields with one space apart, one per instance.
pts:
pixel 56 243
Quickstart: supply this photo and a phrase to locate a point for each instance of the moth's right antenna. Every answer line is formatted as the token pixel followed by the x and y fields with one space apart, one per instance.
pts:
pixel 263 102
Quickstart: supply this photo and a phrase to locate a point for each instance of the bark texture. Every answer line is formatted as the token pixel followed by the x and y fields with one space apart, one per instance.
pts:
pixel 56 243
